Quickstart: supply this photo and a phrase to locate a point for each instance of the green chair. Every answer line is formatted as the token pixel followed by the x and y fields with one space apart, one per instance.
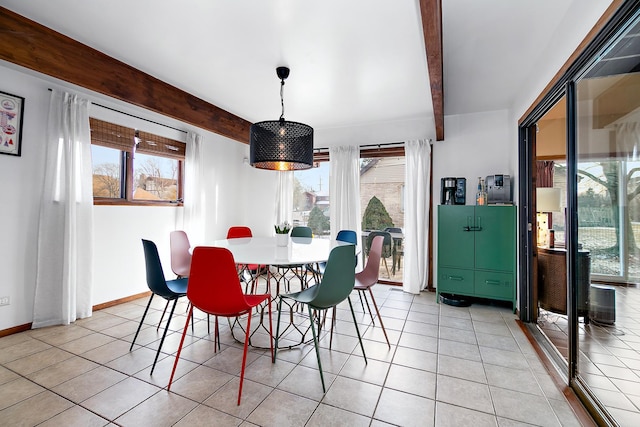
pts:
pixel 337 283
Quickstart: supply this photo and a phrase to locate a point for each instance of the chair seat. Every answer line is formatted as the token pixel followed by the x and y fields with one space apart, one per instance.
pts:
pixel 178 286
pixel 361 286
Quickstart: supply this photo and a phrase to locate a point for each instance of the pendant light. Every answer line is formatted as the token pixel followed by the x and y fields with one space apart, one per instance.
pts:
pixel 280 144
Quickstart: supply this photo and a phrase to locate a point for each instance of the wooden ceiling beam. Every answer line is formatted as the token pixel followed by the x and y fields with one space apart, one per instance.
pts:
pixel 431 15
pixel 34 46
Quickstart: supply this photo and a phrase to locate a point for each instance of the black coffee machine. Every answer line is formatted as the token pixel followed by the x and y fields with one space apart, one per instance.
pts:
pixel 453 191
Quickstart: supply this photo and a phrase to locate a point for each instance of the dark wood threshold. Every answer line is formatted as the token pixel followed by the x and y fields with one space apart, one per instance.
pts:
pixel 576 405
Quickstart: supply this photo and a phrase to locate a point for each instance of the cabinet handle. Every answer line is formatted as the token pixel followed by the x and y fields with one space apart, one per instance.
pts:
pixel 493 282
pixel 456 278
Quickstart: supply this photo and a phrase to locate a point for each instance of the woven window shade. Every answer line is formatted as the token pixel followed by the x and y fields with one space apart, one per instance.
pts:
pixel 123 138
pixel 111 135
pixel 161 146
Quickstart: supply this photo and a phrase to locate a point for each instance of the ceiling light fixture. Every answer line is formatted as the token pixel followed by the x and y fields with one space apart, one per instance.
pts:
pixel 279 144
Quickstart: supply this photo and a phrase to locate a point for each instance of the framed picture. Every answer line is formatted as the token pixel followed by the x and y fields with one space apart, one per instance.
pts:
pixel 11 112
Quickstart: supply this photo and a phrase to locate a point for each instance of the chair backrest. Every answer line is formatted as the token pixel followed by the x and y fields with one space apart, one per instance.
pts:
pixel 155 276
pixel 347 236
pixel 238 231
pixel 338 279
pixel 387 244
pixel 393 229
pixel 301 231
pixel 180 255
pixel 214 286
pixel 369 275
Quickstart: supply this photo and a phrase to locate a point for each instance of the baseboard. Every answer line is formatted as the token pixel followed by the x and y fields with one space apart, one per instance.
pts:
pixel 27 326
pixel 121 301
pixel 15 330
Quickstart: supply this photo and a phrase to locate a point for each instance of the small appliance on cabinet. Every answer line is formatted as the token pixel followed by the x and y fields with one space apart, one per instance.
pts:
pixel 453 191
pixel 498 189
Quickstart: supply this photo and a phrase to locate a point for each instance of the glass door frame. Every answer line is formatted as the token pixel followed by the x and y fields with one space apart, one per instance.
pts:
pixel 564 85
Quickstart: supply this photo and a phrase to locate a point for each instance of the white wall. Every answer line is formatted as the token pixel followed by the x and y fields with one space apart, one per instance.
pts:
pixel 238 193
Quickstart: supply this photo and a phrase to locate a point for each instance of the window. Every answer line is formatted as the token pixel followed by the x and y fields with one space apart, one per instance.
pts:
pixel 131 166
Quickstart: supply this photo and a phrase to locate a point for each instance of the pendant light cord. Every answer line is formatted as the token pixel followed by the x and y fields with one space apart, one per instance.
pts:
pixel 282 99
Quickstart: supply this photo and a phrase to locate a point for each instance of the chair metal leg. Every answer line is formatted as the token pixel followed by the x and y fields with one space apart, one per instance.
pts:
pixel 387 267
pixel 355 323
pixel 244 355
pixel 273 355
pixel 373 300
pixel 164 335
pixel 315 343
pixel 361 294
pixel 275 350
pixel 141 321
pixel 163 313
pixel 184 333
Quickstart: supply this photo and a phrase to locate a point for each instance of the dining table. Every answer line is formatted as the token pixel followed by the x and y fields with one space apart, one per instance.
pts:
pixel 265 251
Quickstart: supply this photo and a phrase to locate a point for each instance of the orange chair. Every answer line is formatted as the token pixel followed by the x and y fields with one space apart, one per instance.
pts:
pixel 214 288
pixel 369 277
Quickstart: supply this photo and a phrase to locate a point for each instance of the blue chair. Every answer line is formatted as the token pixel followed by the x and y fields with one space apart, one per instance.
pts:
pixel 170 290
pixel 336 285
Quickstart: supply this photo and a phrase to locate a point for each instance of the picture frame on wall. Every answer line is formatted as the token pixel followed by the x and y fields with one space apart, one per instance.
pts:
pixel 11 112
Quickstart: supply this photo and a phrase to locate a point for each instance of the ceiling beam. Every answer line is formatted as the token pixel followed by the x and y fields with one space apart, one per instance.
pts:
pixel 34 46
pixel 431 14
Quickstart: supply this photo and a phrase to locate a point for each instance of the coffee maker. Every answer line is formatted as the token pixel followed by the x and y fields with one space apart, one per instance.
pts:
pixel 453 191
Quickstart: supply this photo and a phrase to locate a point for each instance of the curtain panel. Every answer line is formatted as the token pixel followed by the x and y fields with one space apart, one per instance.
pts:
pixel 194 193
pixel 416 218
pixel 344 190
pixel 65 233
pixel 544 173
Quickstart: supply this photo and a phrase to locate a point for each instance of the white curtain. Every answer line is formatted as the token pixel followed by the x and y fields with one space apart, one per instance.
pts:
pixel 284 197
pixel 194 189
pixel 65 234
pixel 416 217
pixel 344 190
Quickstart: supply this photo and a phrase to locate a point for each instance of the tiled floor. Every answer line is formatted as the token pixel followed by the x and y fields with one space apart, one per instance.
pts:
pixel 447 366
pixel 609 354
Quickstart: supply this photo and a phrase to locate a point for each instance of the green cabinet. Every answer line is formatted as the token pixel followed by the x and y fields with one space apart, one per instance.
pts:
pixel 477 251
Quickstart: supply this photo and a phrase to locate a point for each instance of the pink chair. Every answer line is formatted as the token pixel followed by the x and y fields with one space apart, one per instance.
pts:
pixel 214 288
pixel 180 255
pixel 369 277
pixel 180 261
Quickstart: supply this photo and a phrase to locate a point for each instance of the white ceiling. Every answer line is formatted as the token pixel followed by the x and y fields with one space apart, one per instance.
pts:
pixel 353 62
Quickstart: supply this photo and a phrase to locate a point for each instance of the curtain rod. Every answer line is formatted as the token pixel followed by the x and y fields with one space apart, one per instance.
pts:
pixel 137 117
pixel 387 144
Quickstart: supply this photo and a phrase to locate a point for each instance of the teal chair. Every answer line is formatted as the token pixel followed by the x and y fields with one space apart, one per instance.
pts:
pixel 336 285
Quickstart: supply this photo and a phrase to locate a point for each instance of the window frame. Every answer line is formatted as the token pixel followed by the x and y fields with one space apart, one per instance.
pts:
pixel 128 140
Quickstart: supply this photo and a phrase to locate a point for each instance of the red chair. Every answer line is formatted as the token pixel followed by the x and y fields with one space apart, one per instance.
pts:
pixel 214 288
pixel 239 231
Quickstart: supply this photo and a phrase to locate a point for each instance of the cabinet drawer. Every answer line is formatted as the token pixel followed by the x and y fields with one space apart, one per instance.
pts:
pixel 455 281
pixel 489 284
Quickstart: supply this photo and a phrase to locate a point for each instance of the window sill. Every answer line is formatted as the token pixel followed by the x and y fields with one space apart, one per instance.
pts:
pixel 123 202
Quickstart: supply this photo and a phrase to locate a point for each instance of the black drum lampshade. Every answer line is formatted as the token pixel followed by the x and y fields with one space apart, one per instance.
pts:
pixel 280 144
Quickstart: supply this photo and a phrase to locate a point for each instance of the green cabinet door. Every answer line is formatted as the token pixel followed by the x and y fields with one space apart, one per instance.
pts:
pixel 494 239
pixel 455 238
